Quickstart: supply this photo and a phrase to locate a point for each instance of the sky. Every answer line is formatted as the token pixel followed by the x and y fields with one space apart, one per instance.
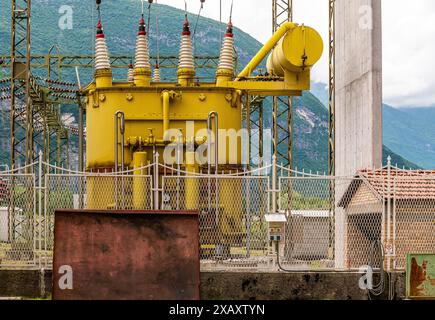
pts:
pixel 408 40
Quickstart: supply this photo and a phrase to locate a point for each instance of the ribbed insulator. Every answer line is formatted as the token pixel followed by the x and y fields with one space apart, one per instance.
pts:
pixel 186 53
pixel 226 60
pixel 142 59
pixel 156 75
pixel 101 54
pixel 130 75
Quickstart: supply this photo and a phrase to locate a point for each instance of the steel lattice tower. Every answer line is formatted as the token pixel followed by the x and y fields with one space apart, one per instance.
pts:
pixel 282 124
pixel 21 132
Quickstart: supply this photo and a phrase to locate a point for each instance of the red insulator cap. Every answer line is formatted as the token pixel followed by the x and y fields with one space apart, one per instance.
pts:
pixel 142 29
pixel 229 33
pixel 100 33
pixel 186 27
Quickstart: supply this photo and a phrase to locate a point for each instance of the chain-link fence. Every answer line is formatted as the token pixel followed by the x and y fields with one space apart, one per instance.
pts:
pixel 90 191
pixel 329 223
pixel 18 221
pixel 231 209
pixel 413 216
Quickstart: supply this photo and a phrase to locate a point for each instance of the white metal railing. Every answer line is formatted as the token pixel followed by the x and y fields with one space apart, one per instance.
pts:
pixel 331 222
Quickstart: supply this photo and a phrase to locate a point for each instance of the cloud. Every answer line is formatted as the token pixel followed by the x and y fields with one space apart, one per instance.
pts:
pixel 408 40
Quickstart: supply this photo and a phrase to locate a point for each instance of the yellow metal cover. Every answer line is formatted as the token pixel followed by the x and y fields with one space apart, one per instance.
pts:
pixel 301 42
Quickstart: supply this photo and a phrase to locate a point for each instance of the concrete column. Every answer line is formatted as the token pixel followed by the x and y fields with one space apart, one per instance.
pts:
pixel 358 45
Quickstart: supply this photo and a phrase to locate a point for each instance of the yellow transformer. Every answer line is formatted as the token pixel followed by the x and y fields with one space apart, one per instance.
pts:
pixel 129 122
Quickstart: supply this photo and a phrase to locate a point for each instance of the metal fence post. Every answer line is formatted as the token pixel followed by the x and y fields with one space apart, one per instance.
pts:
pixel 394 225
pixel 156 181
pixel 39 215
pixel 274 177
pixel 389 198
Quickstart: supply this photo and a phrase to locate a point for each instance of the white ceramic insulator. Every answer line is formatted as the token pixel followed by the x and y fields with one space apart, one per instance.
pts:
pixel 101 54
pixel 142 59
pixel 186 53
pixel 226 60
pixel 156 76
pixel 130 75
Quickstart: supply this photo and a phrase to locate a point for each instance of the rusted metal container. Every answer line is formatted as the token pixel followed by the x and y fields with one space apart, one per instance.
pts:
pixel 132 255
pixel 420 276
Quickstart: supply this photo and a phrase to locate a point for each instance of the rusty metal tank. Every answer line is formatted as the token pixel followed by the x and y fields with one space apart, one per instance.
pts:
pixel 129 255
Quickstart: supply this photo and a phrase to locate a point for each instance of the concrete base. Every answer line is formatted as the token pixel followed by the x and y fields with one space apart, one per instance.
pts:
pixel 32 284
pixel 289 286
pixel 230 286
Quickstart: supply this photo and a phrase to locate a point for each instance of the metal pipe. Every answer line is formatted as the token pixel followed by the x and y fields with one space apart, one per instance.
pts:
pixel 274 187
pixel 81 136
pixel 267 48
pixel 215 115
pixel 119 115
pixel 166 100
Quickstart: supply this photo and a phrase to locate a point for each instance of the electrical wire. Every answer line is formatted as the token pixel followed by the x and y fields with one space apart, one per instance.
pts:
pixel 149 18
pixel 197 19
pixel 99 10
pixel 157 35
pixel 379 288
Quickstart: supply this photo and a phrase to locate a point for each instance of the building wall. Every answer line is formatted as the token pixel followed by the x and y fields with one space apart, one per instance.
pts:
pixel 412 223
pixel 415 228
pixel 362 230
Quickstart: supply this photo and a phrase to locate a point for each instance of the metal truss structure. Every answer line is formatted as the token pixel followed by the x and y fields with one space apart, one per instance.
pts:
pixel 282 123
pixel 56 61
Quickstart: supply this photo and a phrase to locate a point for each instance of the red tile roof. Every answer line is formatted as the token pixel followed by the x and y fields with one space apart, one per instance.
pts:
pixel 403 184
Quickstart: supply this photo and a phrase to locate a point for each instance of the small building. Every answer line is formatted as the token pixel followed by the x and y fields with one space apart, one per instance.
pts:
pixel 392 205
pixel 308 234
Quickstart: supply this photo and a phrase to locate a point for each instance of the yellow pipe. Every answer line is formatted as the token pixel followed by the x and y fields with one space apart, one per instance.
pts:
pixel 191 186
pixel 166 99
pixel 140 183
pixel 267 48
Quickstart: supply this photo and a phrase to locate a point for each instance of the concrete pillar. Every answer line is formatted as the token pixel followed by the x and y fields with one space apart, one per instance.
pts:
pixel 358 45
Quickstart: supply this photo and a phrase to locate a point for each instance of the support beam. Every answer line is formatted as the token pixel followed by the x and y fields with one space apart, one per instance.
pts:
pixel 357 84
pixel 65 62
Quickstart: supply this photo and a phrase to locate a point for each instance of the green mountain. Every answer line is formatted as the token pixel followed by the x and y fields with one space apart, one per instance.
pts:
pixel 120 19
pixel 411 132
pixel 408 131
